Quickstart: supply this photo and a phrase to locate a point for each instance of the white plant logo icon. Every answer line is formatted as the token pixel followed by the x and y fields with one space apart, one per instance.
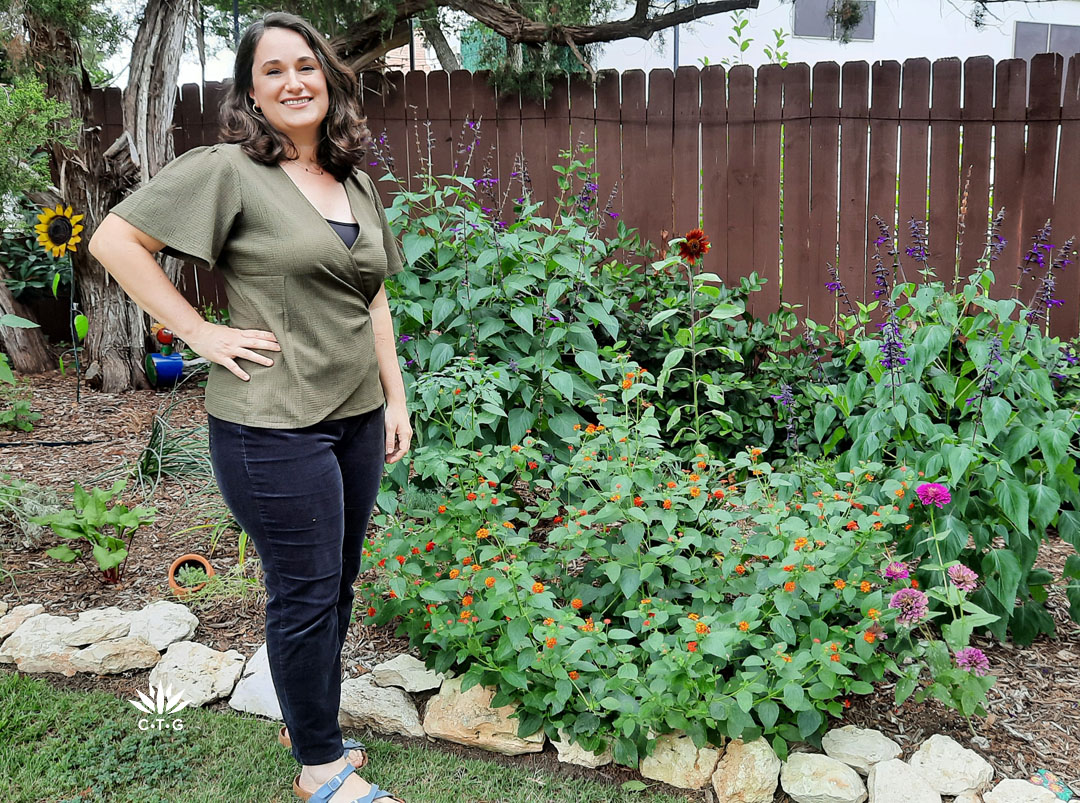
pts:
pixel 161 703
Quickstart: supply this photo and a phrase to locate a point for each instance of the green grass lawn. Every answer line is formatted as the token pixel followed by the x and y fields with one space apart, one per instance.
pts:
pixel 63 746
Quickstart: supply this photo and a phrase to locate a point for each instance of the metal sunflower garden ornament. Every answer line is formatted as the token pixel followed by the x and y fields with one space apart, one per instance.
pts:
pixel 58 230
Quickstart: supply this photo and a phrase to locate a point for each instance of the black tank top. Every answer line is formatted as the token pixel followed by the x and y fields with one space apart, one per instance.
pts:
pixel 347 231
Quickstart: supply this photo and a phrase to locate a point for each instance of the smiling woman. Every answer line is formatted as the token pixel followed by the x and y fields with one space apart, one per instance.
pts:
pixel 300 434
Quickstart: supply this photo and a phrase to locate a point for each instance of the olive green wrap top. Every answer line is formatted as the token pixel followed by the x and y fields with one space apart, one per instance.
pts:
pixel 286 271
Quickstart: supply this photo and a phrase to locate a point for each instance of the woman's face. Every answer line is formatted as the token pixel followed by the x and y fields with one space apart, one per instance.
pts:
pixel 289 85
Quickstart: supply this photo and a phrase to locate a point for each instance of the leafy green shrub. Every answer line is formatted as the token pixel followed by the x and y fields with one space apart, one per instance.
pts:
pixel 532 296
pixel 968 390
pixel 624 592
pixel 191 576
pixel 90 520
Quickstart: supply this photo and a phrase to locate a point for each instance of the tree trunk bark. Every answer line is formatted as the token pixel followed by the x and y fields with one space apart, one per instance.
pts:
pixel 26 348
pixel 93 183
pixel 433 32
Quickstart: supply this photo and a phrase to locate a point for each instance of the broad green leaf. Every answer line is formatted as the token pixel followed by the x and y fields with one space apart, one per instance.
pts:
pixel 15 322
pixel 995 414
pixel 1045 503
pixel 523 317
pixel 82 326
pixel 440 355
pixel 1013 499
pixel 1001 574
pixel 589 363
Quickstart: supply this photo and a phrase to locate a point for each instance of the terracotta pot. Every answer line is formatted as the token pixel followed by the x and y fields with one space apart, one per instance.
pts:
pixel 188 560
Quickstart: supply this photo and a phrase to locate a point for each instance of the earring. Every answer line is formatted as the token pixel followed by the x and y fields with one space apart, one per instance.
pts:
pixel 255 108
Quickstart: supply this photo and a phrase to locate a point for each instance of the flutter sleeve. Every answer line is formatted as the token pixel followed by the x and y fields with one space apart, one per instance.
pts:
pixel 190 205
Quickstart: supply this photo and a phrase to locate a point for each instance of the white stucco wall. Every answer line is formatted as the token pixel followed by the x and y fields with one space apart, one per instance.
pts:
pixel 904 29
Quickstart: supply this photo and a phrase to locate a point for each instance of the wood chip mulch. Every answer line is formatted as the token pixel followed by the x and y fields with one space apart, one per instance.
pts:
pixel 1034 710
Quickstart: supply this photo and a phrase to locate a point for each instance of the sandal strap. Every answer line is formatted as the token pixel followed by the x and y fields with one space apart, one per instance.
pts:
pixel 352 744
pixel 326 791
pixel 375 793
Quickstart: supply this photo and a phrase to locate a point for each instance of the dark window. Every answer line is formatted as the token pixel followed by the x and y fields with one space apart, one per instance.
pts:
pixel 812 18
pixel 1065 39
pixel 1039 37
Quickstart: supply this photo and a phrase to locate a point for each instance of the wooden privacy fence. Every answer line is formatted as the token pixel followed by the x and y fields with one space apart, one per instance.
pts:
pixel 784 169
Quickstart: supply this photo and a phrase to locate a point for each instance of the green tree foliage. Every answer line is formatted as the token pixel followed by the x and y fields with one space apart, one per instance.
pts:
pixel 30 121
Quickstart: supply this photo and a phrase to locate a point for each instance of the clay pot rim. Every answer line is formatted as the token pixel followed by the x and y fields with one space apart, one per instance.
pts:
pixel 191 557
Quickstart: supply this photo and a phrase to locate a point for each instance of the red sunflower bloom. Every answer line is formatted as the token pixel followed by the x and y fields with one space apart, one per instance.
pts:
pixel 695 246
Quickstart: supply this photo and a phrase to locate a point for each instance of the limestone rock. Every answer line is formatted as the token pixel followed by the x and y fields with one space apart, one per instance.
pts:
pixel 407 673
pixel 468 718
pixel 115 656
pixel 747 773
pixel 571 753
pixel 11 621
pixel 893 781
pixel 384 710
pixel 3 608
pixel 163 623
pixel 968 797
pixel 99 624
pixel 255 692
pixel 814 778
pixel 39 645
pixel 950 768
pixel 677 761
pixel 1013 791
pixel 859 748
pixel 200 674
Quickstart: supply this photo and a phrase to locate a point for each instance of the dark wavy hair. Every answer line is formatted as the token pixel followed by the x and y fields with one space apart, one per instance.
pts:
pixel 344 133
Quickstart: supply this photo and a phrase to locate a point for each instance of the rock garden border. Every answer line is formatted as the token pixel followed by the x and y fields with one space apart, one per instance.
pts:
pixel 857 765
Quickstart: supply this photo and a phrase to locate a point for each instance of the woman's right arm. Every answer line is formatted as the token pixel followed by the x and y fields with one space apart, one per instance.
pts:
pixel 128 255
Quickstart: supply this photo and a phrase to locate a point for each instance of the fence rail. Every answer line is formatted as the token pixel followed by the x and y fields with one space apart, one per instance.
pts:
pixel 785 168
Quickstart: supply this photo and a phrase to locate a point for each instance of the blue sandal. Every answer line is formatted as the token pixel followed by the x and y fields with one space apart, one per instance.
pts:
pixel 348 744
pixel 327 790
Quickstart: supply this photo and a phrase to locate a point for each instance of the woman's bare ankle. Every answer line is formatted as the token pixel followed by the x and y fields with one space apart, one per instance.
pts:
pixel 321 773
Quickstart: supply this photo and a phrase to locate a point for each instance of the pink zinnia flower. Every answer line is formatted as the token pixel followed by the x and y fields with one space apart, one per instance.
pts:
pixel 912 604
pixel 963 577
pixel 897 571
pixel 933 493
pixel 974 660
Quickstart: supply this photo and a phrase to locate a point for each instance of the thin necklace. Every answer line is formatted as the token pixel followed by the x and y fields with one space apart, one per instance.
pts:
pixel 318 171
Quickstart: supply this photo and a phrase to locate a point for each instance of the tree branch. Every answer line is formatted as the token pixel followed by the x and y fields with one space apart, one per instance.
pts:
pixel 517 28
pixel 433 32
pixel 367 35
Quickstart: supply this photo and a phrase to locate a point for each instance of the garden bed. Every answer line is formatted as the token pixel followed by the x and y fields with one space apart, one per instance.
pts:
pixel 1034 707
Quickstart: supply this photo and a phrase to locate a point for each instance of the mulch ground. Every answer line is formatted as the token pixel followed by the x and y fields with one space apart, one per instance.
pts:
pixel 1034 711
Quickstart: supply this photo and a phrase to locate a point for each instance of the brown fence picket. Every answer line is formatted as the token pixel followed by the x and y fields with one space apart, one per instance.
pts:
pixel 978 114
pixel 658 154
pixel 1009 120
pixel 534 149
pixel 854 133
pixel 767 121
pixel 212 95
pixel 740 170
pixel 914 147
pixel 582 116
pixel 114 117
pixel 798 271
pixel 714 160
pixel 685 166
pixel 609 148
pixel 882 164
pixel 1065 320
pixel 945 182
pixel 187 119
pixel 485 104
pixel 636 195
pixel 1044 117
pixel 416 112
pixel 438 98
pixel 824 180
pixel 557 136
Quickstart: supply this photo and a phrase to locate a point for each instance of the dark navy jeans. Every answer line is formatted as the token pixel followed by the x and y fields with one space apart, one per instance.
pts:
pixel 304 497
